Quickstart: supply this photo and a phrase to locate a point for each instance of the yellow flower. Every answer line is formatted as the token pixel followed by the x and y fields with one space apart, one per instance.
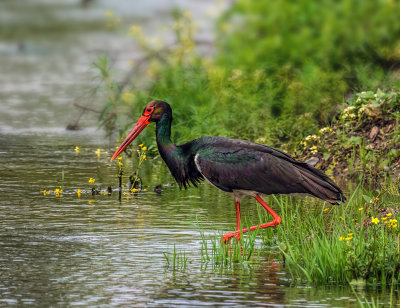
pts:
pixel 127 97
pixel 91 180
pixel 144 149
pixel 135 30
pixel 349 234
pixel 120 163
pixel 341 217
pixel 134 190
pixel 361 208
pixel 98 151
pixel 78 193
pixel 141 145
pixel 186 14
pixel 109 13
pixel 90 202
pixel 177 25
pixel 325 130
pixel 76 149
pixel 384 218
pixel 348 238
pixel 389 214
pixel 375 220
pixel 341 238
pixel 326 209
pixel 119 157
pixel 144 157
pixel 44 192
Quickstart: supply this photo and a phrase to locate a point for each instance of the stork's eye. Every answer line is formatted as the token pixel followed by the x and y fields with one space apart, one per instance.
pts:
pixel 147 111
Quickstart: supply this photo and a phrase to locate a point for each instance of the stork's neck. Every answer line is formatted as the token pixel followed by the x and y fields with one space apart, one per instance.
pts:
pixel 163 135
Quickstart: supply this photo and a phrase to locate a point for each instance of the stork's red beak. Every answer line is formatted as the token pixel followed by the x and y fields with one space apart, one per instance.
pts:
pixel 140 125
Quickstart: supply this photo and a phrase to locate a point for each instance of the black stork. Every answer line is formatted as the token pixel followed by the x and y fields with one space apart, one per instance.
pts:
pixel 238 167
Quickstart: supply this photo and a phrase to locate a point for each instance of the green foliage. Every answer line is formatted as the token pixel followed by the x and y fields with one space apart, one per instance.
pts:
pixel 281 70
pixel 296 34
pixel 358 240
pixel 207 99
pixel 312 52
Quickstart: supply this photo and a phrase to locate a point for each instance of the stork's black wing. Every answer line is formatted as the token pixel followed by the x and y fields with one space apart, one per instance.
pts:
pixel 232 164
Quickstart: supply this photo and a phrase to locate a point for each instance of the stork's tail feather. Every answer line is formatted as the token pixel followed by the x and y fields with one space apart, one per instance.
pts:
pixel 320 185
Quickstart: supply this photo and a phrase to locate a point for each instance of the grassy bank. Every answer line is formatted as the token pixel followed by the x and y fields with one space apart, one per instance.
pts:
pixel 358 240
pixel 361 143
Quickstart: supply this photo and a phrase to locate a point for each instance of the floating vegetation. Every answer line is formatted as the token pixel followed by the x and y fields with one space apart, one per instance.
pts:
pixel 132 187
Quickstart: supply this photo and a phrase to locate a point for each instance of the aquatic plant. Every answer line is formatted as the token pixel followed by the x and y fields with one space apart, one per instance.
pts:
pixel 215 250
pixel 176 260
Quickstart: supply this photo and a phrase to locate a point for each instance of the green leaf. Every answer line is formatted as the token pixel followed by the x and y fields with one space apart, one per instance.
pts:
pixel 366 95
pixel 367 198
pixel 355 140
pixel 326 156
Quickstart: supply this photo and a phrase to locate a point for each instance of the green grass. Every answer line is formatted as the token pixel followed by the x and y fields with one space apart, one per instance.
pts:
pixel 214 250
pixel 356 242
pixel 176 260
pixel 339 244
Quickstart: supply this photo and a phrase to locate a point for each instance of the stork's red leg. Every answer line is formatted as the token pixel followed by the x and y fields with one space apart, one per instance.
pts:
pixel 237 204
pixel 236 233
pixel 276 221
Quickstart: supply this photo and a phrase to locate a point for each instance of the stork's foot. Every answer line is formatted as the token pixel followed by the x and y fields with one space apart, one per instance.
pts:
pixel 227 236
pixel 277 220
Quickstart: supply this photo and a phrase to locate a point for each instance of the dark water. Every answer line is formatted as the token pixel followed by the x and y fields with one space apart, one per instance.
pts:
pixel 98 251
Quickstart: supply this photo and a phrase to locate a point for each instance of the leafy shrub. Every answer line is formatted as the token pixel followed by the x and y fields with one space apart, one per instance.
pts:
pixel 314 52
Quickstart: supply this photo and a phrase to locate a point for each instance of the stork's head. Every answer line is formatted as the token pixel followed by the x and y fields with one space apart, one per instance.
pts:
pixel 153 112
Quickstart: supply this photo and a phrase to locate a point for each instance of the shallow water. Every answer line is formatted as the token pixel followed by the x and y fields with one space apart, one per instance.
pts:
pixel 97 250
